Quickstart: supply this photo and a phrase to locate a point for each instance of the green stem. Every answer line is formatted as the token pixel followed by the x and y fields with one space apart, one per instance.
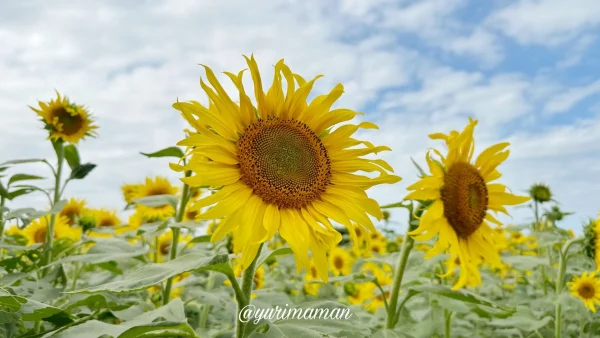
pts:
pixel 399 271
pixel 247 283
pixel 206 307
pixel 2 222
pixel 448 319
pixel 562 267
pixel 185 196
pixel 60 155
pixel 537 217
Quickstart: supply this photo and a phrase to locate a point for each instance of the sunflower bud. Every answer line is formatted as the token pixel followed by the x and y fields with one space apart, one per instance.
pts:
pixel 540 193
pixel 392 246
pixel 350 288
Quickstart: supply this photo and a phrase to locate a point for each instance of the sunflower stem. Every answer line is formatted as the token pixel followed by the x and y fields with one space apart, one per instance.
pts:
pixel 562 267
pixel 448 322
pixel 206 307
pixel 247 283
pixel 537 216
pixel 2 222
pixel 185 196
pixel 60 155
pixel 399 270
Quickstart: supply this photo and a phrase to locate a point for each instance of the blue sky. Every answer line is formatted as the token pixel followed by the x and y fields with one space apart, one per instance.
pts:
pixel 526 69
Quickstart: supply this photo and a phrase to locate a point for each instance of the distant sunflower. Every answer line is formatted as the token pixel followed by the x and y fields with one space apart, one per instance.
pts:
pixel 340 262
pixel 73 210
pixel 130 191
pixel 587 288
pixel 462 195
pixel 66 120
pixel 106 218
pixel 155 187
pixel 281 165
pixel 591 233
pixel 35 232
pixel 165 240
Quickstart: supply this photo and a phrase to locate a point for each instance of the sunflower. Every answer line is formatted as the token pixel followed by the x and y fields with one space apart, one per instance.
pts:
pixel 130 191
pixel 383 275
pixel 340 262
pixel 106 218
pixel 461 195
pixel 587 288
pixel 35 232
pixel 280 165
pixel 66 120
pixel 311 287
pixel 73 210
pixel 164 243
pixel 359 293
pixel 154 187
pixel 591 233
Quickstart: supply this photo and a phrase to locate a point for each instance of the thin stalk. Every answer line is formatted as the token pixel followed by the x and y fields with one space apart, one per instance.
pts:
pixel 247 283
pixel 537 217
pixel 399 271
pixel 448 322
pixel 206 308
pixel 60 155
pixel 2 202
pixel 562 267
pixel 176 231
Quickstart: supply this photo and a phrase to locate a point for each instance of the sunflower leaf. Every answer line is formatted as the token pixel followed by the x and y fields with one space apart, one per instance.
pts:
pixel 72 156
pixel 28 160
pixel 167 152
pixel 81 171
pixel 16 193
pixel 23 177
pixel 152 274
pixel 277 252
pixel 157 200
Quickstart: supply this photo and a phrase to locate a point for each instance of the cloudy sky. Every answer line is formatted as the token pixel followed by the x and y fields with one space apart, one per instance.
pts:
pixel 528 70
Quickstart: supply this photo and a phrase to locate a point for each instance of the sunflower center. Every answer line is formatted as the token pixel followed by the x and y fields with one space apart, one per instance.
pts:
pixel 165 248
pixel 107 222
pixel 155 191
pixel 338 262
pixel 71 124
pixel 465 198
pixel 40 235
pixel 586 291
pixel 191 214
pixel 284 162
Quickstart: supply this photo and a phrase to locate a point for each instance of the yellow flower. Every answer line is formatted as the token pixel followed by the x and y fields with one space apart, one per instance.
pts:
pixel 384 277
pixel 312 288
pixel 280 166
pixel 362 294
pixel 130 191
pixel 164 243
pixel 462 196
pixel 154 187
pixel 587 288
pixel 106 218
pixel 73 210
pixel 340 261
pixel 65 120
pixel 35 232
pixel 379 247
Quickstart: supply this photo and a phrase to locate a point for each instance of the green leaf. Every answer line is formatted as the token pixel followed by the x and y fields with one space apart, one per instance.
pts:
pixel 201 239
pixel 72 156
pixel 188 225
pixel 319 323
pixel 525 262
pixel 28 160
pixel 157 200
pixel 8 317
pixel 23 177
pixel 419 169
pixel 152 274
pixel 167 152
pixel 16 193
pixel 57 207
pixel 29 309
pixel 3 191
pixel 103 252
pixel 386 333
pixel 173 323
pixel 462 295
pixel 522 319
pixel 81 171
pixel 277 252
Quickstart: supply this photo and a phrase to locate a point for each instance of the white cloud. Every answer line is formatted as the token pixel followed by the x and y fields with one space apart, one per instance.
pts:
pixel 129 63
pixel 575 54
pixel 546 22
pixel 565 101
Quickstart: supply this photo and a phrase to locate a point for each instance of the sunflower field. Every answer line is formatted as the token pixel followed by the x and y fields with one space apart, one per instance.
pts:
pixel 271 232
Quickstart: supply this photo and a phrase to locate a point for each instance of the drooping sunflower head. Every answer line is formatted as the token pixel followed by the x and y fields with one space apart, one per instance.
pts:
pixel 587 288
pixel 591 233
pixel 73 210
pixel 66 120
pixel 540 193
pixel 461 196
pixel 154 187
pixel 280 165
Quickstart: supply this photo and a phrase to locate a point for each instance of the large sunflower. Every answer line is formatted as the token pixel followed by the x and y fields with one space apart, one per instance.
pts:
pixel 154 187
pixel 280 165
pixel 462 196
pixel 73 210
pixel 587 288
pixel 66 120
